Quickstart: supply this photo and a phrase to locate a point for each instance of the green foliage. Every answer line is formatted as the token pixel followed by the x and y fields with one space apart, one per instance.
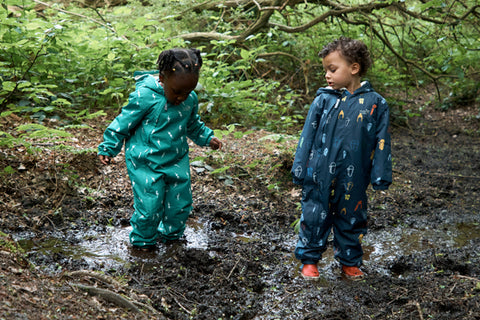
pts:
pixel 71 63
pixel 230 129
pixel 60 66
pixel 6 242
pixel 231 94
pixel 62 69
pixel 296 225
pixel 220 170
pixel 462 93
pixel 438 53
pixel 30 134
pixel 8 170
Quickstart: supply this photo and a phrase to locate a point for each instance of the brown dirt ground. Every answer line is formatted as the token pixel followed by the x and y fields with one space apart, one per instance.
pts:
pixel 436 180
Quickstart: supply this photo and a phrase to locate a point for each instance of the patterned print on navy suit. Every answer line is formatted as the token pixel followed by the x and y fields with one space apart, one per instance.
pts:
pixel 344 146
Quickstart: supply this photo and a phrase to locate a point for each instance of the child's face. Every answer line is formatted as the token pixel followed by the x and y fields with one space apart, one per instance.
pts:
pixel 339 73
pixel 177 86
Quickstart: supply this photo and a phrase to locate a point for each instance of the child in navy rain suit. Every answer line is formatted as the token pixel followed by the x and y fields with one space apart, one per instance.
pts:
pixel 344 146
pixel 155 124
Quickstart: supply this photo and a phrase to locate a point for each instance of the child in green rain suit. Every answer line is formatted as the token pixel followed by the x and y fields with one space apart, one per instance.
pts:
pixel 160 115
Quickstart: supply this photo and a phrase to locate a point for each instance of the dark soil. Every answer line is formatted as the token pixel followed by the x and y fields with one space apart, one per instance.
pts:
pixel 247 269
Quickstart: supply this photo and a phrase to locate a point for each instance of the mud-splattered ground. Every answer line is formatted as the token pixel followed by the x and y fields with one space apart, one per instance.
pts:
pixel 422 256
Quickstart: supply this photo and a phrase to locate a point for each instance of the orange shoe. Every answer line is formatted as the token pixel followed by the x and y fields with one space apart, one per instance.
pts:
pixel 310 272
pixel 352 273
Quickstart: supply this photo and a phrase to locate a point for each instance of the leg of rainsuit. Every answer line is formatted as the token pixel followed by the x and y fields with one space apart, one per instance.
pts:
pixel 178 201
pixel 350 225
pixel 315 226
pixel 149 193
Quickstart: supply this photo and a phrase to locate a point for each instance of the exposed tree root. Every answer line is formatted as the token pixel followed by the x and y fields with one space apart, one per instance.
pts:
pixel 110 296
pixel 92 274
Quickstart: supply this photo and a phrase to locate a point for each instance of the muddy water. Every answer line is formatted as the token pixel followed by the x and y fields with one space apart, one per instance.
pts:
pixel 101 250
pixel 110 250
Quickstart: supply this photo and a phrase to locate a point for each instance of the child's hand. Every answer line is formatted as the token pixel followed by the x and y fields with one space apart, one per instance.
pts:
pixel 104 159
pixel 216 144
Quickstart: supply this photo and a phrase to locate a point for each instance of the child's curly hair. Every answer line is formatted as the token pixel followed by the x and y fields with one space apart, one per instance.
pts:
pixel 179 60
pixel 355 51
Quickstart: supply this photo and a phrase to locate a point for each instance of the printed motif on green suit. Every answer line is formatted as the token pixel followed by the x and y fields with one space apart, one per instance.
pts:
pixel 156 152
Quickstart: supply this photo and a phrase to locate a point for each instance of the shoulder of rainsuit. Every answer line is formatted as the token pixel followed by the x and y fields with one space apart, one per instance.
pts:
pixel 327 92
pixel 140 75
pixel 325 98
pixel 139 103
pixel 147 79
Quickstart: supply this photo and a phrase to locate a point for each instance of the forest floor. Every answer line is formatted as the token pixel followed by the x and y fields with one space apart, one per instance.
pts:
pixel 236 262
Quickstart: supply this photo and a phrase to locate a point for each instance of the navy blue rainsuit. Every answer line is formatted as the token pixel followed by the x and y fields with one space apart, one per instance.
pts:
pixel 344 146
pixel 156 153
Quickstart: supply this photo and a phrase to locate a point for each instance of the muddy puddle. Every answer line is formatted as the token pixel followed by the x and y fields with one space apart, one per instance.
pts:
pixel 105 249
pixel 108 249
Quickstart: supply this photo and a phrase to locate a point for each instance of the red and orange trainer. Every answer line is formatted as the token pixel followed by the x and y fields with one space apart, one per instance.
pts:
pixel 310 272
pixel 352 273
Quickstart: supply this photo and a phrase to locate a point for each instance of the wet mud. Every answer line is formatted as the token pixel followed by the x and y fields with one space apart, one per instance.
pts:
pixel 236 259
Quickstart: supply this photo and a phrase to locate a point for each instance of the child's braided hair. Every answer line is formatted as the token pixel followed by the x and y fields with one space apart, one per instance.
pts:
pixel 355 51
pixel 179 60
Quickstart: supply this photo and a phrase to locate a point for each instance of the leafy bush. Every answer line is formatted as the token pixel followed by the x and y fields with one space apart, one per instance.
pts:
pixel 230 95
pixel 71 63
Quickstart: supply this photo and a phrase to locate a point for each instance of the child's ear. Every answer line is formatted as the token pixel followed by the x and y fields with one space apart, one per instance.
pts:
pixel 355 68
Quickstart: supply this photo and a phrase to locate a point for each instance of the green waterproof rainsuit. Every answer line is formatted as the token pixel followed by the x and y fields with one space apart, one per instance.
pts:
pixel 156 153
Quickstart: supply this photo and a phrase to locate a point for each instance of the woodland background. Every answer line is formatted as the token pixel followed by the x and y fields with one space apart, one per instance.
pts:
pixel 66 69
pixel 62 62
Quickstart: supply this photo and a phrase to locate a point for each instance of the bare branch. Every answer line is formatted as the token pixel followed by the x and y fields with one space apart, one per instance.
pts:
pixel 336 11
pixel 206 36
pixel 267 8
pixel 247 4
pixel 76 14
pixel 399 56
pixel 453 19
pixel 302 63
pixel 261 22
pixel 472 10
pixel 219 5
pixel 272 8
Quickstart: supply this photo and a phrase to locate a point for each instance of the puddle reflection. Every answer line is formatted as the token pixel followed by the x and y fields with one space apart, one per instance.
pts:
pixel 111 249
